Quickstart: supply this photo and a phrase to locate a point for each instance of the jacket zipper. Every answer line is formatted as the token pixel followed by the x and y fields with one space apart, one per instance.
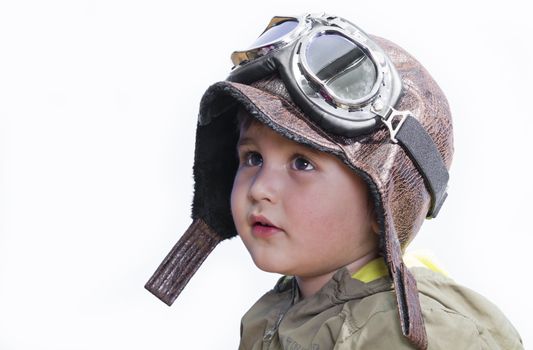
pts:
pixel 270 334
pixel 267 338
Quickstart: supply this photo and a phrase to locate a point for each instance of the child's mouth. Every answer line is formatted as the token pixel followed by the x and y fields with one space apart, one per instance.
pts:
pixel 262 228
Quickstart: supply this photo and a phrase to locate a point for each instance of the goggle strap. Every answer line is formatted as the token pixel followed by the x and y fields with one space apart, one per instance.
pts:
pixel 423 152
pixel 264 67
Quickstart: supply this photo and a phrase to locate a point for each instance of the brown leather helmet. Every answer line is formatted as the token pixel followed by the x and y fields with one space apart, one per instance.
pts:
pixel 401 196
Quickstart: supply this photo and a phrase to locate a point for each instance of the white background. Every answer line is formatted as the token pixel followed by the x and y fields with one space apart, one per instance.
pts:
pixel 98 105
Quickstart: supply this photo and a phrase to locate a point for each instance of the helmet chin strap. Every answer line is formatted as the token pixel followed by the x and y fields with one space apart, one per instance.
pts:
pixel 411 319
pixel 183 261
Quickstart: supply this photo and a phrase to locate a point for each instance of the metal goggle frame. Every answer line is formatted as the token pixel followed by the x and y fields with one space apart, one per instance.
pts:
pixel 300 47
pixel 345 82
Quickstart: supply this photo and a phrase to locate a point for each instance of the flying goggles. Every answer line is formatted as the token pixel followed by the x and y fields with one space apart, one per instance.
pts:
pixel 345 82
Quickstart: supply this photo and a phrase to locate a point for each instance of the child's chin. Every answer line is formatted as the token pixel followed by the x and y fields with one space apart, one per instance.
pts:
pixel 269 266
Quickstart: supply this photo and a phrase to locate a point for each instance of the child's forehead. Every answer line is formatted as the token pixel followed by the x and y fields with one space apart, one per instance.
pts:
pixel 256 132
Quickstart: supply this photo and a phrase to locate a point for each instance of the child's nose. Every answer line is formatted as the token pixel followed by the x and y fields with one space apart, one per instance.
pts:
pixel 266 185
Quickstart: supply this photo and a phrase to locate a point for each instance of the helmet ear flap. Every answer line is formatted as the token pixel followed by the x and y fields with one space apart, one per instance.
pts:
pixel 215 164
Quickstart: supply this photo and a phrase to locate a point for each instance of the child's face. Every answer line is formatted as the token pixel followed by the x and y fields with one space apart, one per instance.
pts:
pixel 317 208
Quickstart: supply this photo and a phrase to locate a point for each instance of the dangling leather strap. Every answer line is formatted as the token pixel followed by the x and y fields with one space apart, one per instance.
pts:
pixel 411 320
pixel 182 261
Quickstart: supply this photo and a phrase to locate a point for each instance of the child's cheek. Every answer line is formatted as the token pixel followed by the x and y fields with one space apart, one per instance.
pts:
pixel 237 199
pixel 233 199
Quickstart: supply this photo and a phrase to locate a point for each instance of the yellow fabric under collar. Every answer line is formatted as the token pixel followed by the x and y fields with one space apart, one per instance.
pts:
pixel 373 270
pixel 377 268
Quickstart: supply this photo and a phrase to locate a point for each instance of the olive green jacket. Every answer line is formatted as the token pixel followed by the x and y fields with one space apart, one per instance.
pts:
pixel 350 314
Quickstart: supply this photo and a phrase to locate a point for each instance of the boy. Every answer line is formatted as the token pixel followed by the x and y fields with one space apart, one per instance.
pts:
pixel 344 142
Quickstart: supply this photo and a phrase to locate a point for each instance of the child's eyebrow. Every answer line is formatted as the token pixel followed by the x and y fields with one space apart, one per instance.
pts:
pixel 244 141
pixel 311 150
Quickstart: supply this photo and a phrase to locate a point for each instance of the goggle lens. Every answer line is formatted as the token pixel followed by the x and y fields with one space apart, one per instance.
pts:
pixel 341 65
pixel 275 33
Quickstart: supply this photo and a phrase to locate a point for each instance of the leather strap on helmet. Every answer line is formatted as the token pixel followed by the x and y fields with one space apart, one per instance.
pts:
pixel 406 291
pixel 182 261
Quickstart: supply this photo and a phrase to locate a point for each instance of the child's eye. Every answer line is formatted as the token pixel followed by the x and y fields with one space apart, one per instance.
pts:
pixel 253 159
pixel 300 163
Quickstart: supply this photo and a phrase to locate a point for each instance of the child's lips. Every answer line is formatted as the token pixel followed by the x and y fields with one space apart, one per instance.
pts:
pixel 264 231
pixel 262 227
